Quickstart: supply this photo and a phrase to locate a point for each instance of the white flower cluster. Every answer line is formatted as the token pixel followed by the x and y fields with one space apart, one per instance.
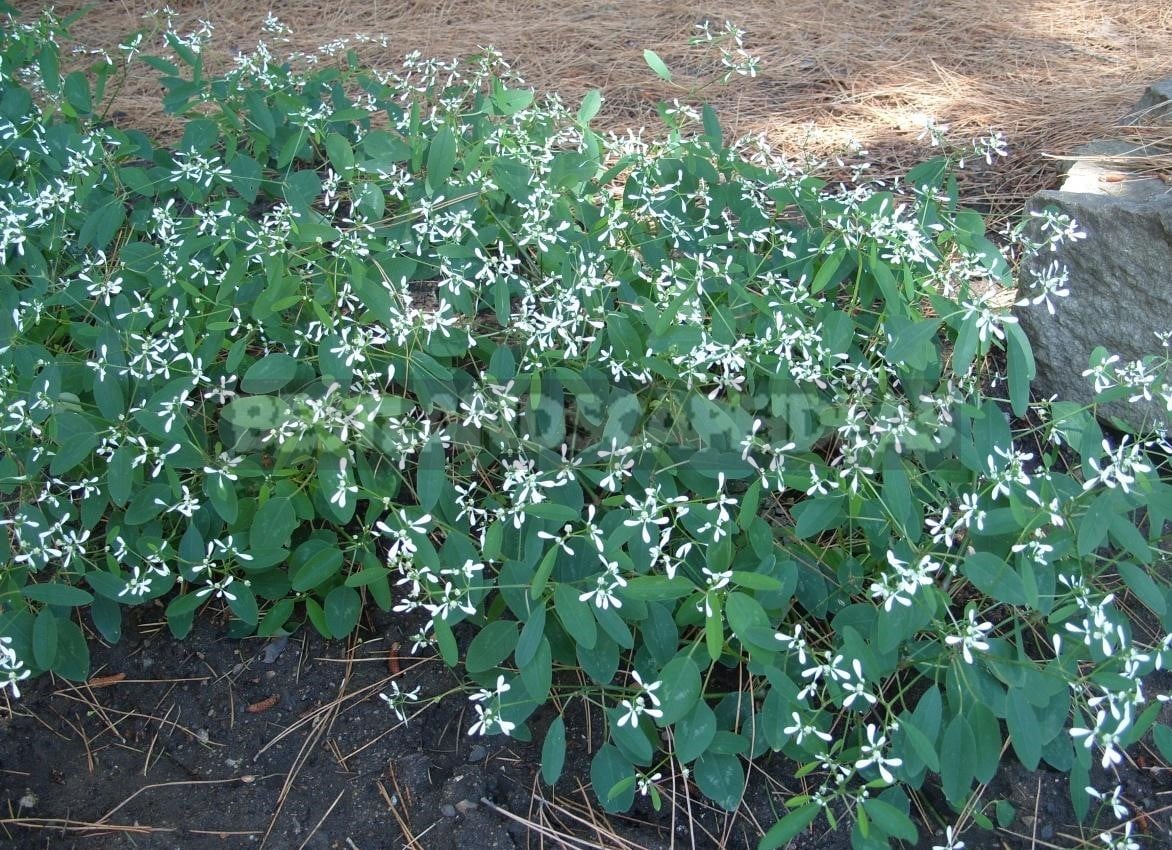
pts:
pixel 12 669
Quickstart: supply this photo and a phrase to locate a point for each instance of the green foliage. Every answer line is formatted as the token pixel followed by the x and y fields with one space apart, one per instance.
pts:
pixel 683 435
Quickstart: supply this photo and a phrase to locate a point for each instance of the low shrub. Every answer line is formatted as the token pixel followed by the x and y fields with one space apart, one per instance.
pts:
pixel 673 429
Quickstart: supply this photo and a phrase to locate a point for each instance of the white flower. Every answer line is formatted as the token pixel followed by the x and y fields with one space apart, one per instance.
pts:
pixel 951 841
pixel 484 694
pixel 634 709
pixel 644 782
pixel 858 688
pixel 1120 842
pixel 648 688
pixel 1118 808
pixel 12 669
pixel 1108 739
pixel 137 584
pixel 872 754
pixel 398 698
pixel 1121 467
pixel 605 585
pixel 988 323
pixel 220 589
pixel 971 635
pixel 488 721
pixel 801 730
pixel 1050 283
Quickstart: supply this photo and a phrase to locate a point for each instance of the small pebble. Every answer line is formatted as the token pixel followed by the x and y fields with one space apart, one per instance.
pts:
pixel 477 753
pixel 465 806
pixel 448 810
pixel 274 648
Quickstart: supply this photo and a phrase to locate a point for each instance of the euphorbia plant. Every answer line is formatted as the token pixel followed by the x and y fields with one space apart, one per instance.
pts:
pixel 673 429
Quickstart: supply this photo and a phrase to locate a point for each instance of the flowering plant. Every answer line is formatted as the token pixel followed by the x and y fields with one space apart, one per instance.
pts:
pixel 676 429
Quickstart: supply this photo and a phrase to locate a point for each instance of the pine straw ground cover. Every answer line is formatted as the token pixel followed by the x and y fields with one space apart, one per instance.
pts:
pixel 1049 74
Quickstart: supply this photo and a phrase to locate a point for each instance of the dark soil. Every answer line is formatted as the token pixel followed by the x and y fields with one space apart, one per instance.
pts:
pixel 172 756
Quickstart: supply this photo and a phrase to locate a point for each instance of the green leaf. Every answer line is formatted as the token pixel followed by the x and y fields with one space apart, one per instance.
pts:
pixel 1140 582
pixel 531 635
pixel 1004 811
pixel 657 588
pixel 541 575
pixel 1129 538
pixel 1162 736
pixel 50 67
pixel 511 101
pixel 537 675
pixel 817 515
pixel 722 778
pixel 957 752
pixel 222 495
pixel 268 375
pixel 259 413
pixel 986 741
pixel 657 65
pixel 680 690
pixel 1020 362
pixel 993 576
pixel 441 158
pixel 921 746
pixel 712 129
pixel 786 829
pixel 317 617
pixel 491 646
pixel 275 619
pixel 73 653
pixel 694 732
pixel 890 819
pixel 613 779
pixel 273 525
pixel 335 479
pixel 322 561
pixel 340 153
pixel 576 616
pixel 302 188
pixel 447 642
pixel 714 628
pixel 631 739
pixel 246 177
pixel 259 113
pixel 107 617
pixel 553 751
pixel 244 605
pixel 45 639
pixel 1080 800
pixel 342 607
pixel 432 475
pixel 745 615
pixel 829 271
pixel 53 593
pixel 911 342
pixel 120 475
pixel 591 103
pixel 77 93
pixel 76 438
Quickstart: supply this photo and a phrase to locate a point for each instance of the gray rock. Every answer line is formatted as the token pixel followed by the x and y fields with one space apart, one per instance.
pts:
pixel 1120 276
pixel 1155 107
pixel 1120 294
